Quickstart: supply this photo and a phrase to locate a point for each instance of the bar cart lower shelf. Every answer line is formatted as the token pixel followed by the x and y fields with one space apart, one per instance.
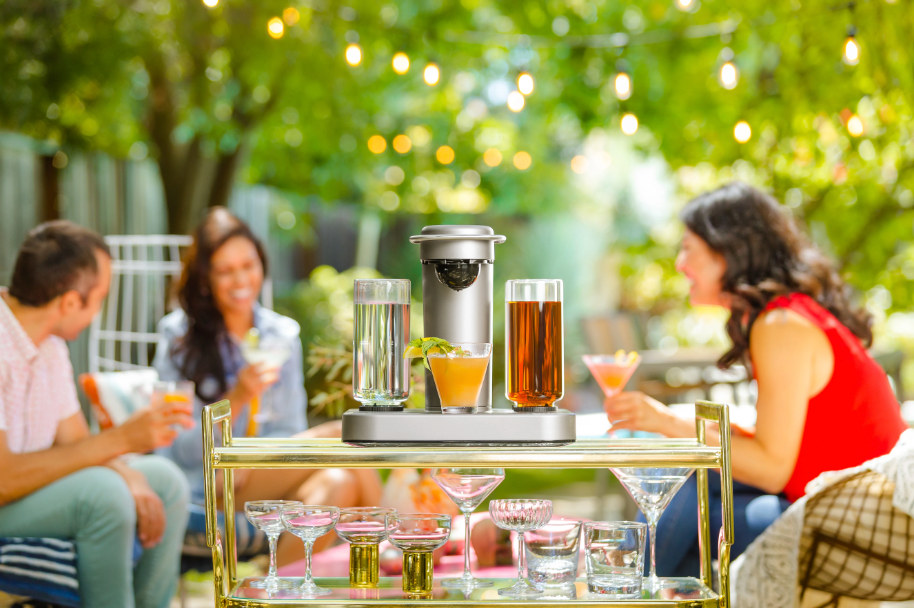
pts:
pixel 244 453
pixel 670 592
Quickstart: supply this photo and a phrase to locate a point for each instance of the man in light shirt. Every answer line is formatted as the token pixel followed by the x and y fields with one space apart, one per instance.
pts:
pixel 58 480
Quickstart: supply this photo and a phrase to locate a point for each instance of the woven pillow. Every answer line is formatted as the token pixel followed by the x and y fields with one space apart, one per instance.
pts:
pixel 115 396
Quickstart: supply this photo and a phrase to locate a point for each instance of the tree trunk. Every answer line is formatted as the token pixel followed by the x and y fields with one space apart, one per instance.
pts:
pixel 224 178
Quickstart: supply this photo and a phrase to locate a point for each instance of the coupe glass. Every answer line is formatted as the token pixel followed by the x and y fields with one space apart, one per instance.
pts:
pixel 266 515
pixel 418 536
pixel 521 515
pixel 652 490
pixel 364 528
pixel 468 488
pixel 310 522
pixel 459 376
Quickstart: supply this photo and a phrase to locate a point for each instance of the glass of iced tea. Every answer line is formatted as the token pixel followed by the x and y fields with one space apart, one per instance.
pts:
pixel 534 343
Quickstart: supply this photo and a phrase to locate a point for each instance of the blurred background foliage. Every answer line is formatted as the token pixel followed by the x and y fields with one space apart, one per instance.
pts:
pixel 216 100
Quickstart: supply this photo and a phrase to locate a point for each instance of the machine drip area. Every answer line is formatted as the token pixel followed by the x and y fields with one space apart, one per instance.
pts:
pixel 457 304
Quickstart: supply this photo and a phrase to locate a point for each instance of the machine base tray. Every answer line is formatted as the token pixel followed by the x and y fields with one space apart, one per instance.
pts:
pixel 422 428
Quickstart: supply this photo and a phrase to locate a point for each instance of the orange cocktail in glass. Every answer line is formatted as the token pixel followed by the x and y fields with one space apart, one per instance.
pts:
pixel 612 372
pixel 459 376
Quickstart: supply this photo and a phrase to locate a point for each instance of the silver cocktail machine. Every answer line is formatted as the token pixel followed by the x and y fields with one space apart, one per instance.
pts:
pixel 457 293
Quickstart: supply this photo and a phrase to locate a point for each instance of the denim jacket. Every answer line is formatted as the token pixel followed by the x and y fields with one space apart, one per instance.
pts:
pixel 287 396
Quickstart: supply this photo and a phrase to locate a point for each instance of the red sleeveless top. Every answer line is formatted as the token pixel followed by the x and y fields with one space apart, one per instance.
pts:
pixel 855 417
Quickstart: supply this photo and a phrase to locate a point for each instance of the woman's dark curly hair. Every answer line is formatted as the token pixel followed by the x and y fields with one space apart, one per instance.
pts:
pixel 767 256
pixel 198 351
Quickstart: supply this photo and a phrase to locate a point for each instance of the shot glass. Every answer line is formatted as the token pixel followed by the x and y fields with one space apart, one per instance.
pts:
pixel 552 553
pixel 364 528
pixel 614 554
pixel 418 536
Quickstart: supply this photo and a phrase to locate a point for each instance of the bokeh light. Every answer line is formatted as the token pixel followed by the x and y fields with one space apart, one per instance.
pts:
pixel 445 155
pixel 629 124
pixel 419 135
pixel 431 74
pixel 275 28
pixel 579 164
pixel 211 3
pixel 401 63
pixel 353 55
pixel 515 101
pixel 522 160
pixel 851 51
pixel 402 144
pixel 525 83
pixel 377 144
pixel 491 157
pixel 855 125
pixel 623 85
pixel 728 75
pixel 290 15
pixel 684 5
pixel 742 132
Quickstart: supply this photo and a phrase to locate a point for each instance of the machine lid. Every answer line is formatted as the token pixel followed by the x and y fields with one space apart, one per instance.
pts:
pixel 457 233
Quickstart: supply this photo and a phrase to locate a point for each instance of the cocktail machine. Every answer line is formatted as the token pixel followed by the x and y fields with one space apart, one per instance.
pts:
pixel 457 295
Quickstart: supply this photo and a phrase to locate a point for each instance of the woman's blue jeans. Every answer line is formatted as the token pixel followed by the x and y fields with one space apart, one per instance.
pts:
pixel 677 532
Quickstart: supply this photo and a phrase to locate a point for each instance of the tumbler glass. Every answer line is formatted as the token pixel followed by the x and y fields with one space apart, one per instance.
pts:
pixel 552 553
pixel 380 374
pixel 614 554
pixel 534 361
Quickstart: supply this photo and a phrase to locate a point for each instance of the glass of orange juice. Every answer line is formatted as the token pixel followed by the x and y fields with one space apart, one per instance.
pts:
pixel 459 375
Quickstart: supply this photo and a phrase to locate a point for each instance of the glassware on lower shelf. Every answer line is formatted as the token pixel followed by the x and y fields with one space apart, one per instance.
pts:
pixel 418 536
pixel 468 488
pixel 520 515
pixel 266 515
pixel 552 553
pixel 364 528
pixel 310 522
pixel 614 557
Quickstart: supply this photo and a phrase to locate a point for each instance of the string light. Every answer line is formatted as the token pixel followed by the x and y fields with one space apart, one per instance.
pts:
pixel 290 15
pixel 431 74
pixel 491 157
pixel 684 5
pixel 377 144
pixel 401 63
pixel 275 28
pixel 623 85
pixel 402 144
pixel 728 75
pixel 522 160
pixel 629 124
pixel 525 83
pixel 445 155
pixel 742 132
pixel 855 125
pixel 353 55
pixel 579 164
pixel 211 3
pixel 515 101
pixel 851 47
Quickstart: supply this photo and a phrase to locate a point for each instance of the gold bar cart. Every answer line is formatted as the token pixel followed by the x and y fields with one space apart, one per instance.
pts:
pixel 589 453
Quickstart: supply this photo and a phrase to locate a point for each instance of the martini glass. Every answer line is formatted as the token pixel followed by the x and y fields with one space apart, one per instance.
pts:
pixel 612 372
pixel 266 515
pixel 310 522
pixel 652 490
pixel 468 488
pixel 459 375
pixel 521 515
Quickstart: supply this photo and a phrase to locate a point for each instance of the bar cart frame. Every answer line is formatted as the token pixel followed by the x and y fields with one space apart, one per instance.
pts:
pixel 251 453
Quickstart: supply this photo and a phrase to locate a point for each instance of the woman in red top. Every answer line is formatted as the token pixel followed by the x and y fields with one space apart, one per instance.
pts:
pixel 823 403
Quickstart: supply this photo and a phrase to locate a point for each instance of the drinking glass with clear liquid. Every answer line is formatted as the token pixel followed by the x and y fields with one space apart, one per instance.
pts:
pixel 380 374
pixel 534 338
pixel 614 554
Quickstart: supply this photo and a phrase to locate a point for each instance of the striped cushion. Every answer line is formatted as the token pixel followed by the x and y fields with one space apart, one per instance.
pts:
pixel 40 568
pixel 250 541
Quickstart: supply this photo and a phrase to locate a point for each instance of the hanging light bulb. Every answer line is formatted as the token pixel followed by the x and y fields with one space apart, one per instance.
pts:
pixel 622 83
pixel 211 3
pixel 742 132
pixel 515 101
pixel 401 63
pixel 851 47
pixel 275 28
pixel 728 75
pixel 525 83
pixel 629 124
pixel 431 74
pixel 353 55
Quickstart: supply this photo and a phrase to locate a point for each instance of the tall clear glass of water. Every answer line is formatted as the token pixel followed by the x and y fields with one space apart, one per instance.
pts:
pixel 380 374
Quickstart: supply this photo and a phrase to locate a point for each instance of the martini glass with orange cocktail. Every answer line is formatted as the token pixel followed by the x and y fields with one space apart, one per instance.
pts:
pixel 612 372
